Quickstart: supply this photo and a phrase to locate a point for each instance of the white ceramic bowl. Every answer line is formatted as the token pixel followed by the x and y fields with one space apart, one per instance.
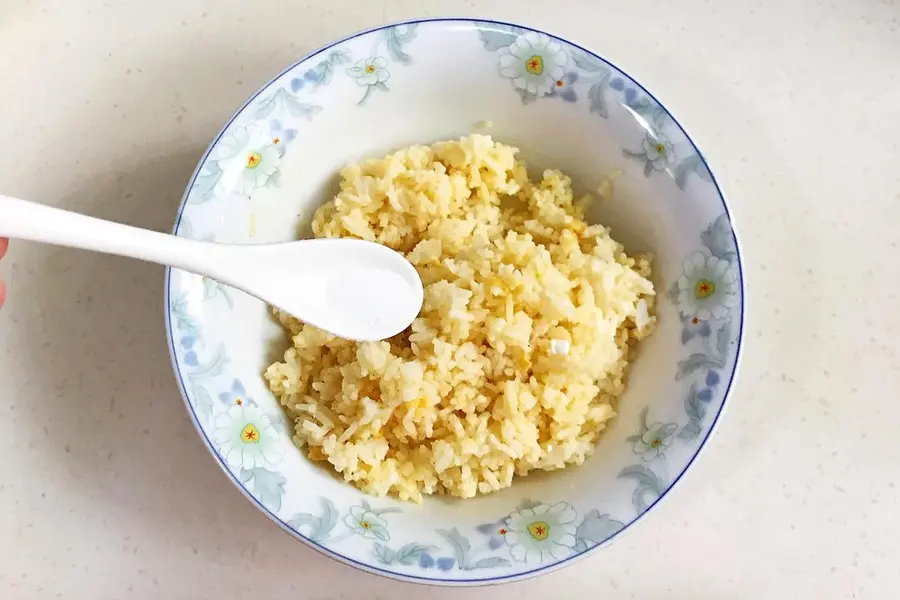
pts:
pixel 565 107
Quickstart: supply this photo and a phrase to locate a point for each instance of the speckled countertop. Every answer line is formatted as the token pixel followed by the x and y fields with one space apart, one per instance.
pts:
pixel 106 491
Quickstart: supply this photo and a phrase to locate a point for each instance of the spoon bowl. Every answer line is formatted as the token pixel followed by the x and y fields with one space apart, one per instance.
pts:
pixel 354 289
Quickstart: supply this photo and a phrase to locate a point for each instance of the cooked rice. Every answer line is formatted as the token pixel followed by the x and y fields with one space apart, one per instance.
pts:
pixel 477 390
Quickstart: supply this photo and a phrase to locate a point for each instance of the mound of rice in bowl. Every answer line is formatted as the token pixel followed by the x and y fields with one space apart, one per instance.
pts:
pixel 520 350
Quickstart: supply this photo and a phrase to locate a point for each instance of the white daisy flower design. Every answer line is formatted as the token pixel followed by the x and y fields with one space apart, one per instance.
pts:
pixel 370 71
pixel 653 442
pixel 659 151
pixel 708 287
pixel 534 63
pixel 245 438
pixel 248 158
pixel 541 533
pixel 366 523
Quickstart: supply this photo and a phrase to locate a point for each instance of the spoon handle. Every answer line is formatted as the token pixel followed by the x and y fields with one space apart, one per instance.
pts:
pixel 37 222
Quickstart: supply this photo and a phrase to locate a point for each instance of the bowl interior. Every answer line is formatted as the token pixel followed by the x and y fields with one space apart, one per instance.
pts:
pixel 565 108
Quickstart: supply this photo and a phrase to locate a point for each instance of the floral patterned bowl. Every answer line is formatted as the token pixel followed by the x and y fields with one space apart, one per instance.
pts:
pixel 565 107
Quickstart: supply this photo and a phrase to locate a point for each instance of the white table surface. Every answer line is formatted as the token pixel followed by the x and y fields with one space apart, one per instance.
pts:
pixel 106 490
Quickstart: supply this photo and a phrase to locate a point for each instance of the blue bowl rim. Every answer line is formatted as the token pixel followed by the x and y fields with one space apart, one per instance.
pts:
pixel 435 580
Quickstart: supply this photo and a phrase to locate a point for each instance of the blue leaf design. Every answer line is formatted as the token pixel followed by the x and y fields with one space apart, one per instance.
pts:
pixel 265 108
pixel 694 363
pixel 425 561
pixel 406 32
pixel 719 239
pixel 205 183
pixel 498 36
pixel 712 378
pixel 339 57
pixel 617 84
pixel 702 170
pixel 445 563
pixel 695 411
pixel 214 367
pixel 283 101
pixel 649 484
pixel 595 529
pixel 690 431
pixel 681 171
pixel 184 323
pixel 396 41
pixel 588 62
pixel 642 418
pixel 692 164
pixel 384 554
pixel 268 487
pixel 647 108
pixel 723 338
pixel 643 475
pixel 319 526
pixel 460 544
pixel 179 307
pixel 409 553
pixel 322 74
pixel 203 401
pixel 672 295
pixel 491 562
pixel 296 84
pixel 190 358
pixel 596 97
pixel 300 109
pixel 303 520
pixel 704 395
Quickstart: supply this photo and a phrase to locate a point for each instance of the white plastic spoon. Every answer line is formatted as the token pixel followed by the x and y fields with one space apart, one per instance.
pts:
pixel 353 289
